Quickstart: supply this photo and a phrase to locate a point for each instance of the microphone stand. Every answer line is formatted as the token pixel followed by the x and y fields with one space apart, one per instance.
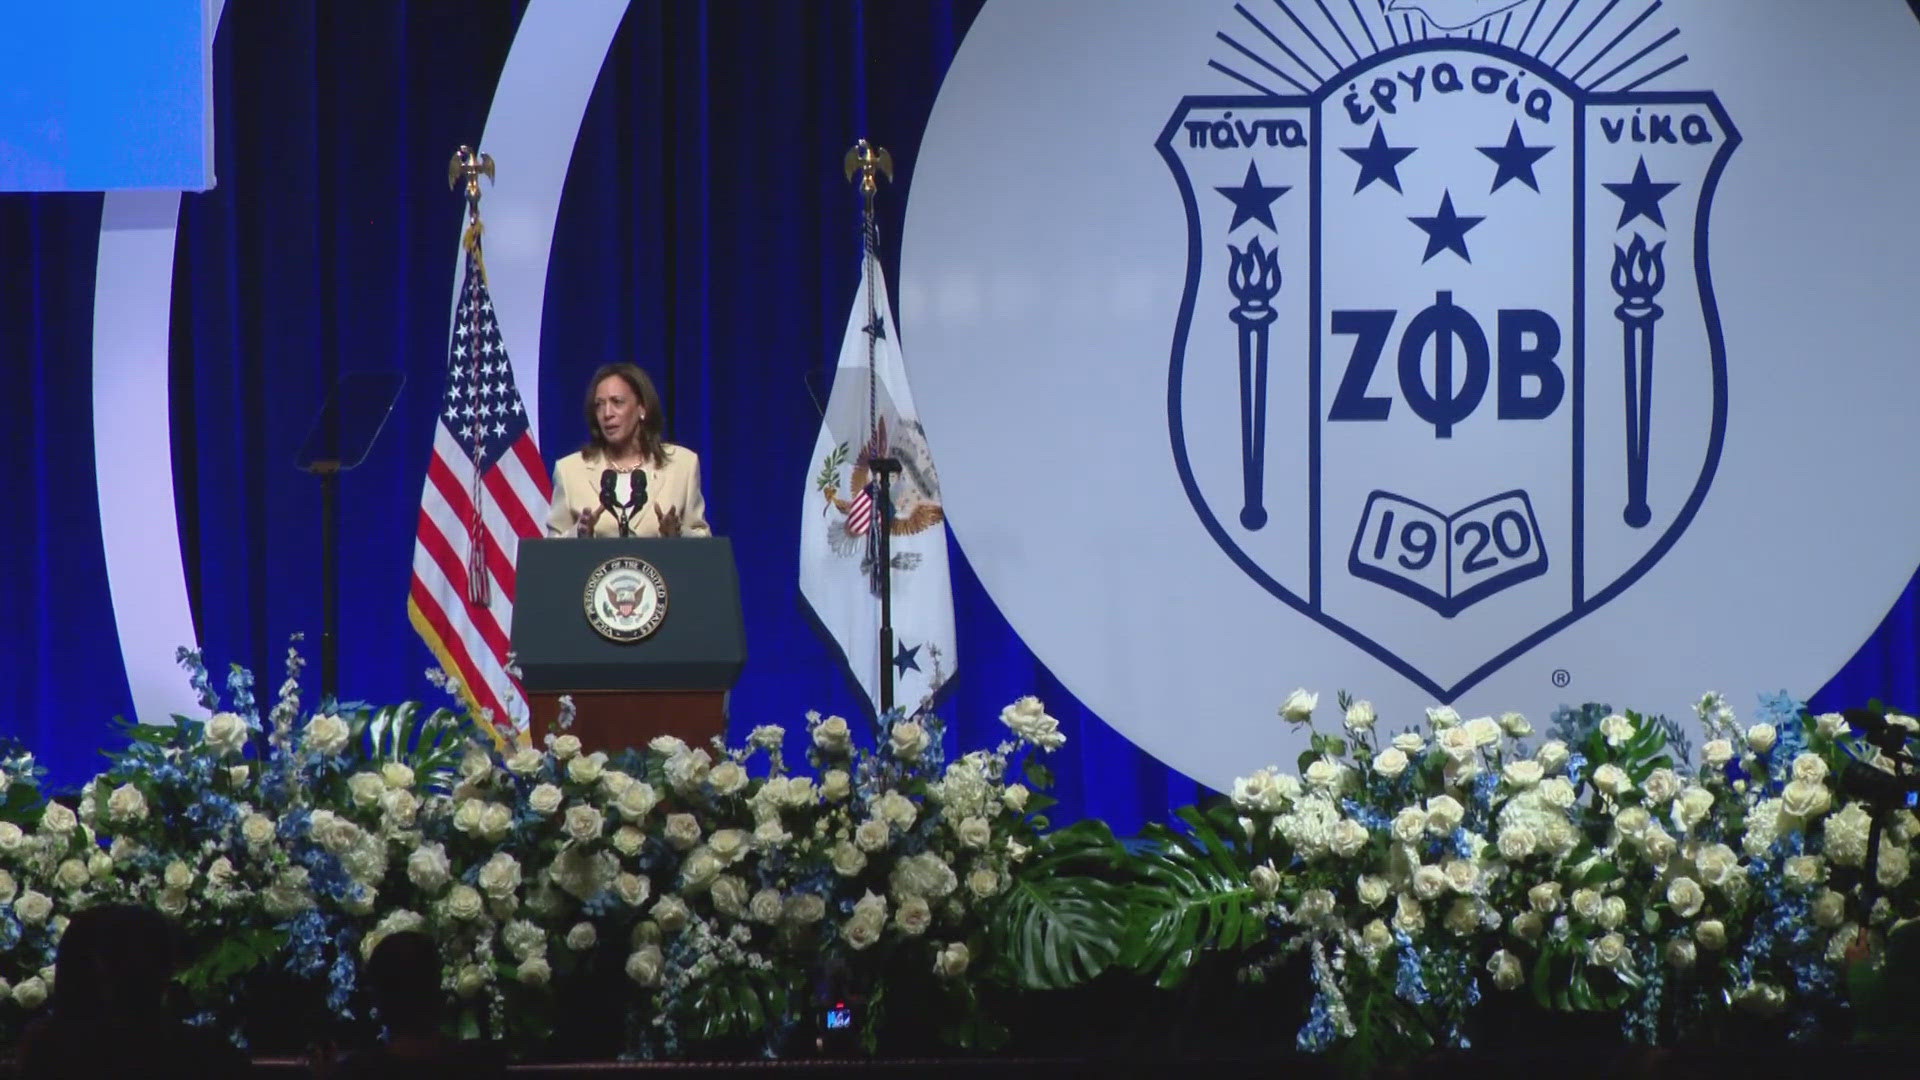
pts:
pixel 883 468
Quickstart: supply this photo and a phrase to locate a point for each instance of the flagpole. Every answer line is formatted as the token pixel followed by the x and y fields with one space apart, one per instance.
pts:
pixel 867 163
pixel 469 165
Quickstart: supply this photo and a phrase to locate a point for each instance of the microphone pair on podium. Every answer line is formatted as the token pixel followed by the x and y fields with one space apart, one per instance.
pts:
pixel 636 496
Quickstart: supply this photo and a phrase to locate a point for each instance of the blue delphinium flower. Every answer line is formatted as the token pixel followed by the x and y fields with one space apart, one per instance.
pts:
pixel 1318 1033
pixel 1409 981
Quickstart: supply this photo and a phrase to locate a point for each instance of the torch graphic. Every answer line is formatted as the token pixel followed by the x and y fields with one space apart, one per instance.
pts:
pixel 1254 278
pixel 1638 274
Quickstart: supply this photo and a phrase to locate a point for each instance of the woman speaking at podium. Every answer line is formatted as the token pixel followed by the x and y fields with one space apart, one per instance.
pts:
pixel 627 481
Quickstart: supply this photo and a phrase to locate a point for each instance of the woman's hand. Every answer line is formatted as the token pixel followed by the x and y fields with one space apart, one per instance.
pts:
pixel 583 526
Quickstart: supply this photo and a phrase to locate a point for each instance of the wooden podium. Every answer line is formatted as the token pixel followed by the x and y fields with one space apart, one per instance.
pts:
pixel 673 681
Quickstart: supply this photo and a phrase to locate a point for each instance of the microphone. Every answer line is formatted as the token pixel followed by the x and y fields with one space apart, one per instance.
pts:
pixel 608 499
pixel 637 497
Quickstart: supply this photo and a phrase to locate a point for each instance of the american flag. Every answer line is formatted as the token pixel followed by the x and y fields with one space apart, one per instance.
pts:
pixel 486 489
pixel 860 512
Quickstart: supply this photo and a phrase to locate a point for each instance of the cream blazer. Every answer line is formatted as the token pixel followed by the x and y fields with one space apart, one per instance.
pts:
pixel 674 504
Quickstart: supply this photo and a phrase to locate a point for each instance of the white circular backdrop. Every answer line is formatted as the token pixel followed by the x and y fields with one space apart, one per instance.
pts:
pixel 1045 257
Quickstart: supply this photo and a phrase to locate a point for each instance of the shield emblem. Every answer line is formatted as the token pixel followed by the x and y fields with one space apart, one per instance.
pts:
pixel 1447 373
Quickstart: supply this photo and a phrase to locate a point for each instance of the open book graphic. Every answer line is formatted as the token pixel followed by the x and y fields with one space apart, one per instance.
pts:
pixel 1448 562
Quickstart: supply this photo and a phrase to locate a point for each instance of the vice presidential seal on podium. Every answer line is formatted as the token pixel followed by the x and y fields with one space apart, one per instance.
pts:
pixel 591 622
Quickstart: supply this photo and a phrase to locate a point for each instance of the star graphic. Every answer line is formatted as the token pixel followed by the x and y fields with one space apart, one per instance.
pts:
pixel 1252 201
pixel 875 329
pixel 1515 160
pixel 906 658
pixel 1641 197
pixel 1446 230
pixel 1378 161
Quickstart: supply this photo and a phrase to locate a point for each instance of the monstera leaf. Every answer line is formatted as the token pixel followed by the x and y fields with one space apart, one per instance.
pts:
pixel 1065 917
pixel 429 743
pixel 1192 895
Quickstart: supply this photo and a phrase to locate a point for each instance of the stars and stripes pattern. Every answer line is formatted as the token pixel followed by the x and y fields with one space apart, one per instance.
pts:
pixel 485 490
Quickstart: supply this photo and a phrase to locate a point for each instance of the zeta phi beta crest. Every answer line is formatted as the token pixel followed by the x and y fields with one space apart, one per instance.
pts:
pixel 1447 374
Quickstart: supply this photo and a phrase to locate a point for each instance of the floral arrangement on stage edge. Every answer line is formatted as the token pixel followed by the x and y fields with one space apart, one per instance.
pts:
pixel 730 892
pixel 1414 879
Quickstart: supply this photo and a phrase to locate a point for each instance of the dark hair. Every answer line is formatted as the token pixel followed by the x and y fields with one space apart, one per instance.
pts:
pixel 114 964
pixel 653 419
pixel 403 975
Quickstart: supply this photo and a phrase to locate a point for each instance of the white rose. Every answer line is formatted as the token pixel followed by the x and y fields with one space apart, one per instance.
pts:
pixel 32 908
pixel 1616 729
pixel 907 740
pixel 1349 838
pixel 1523 774
pixel 1506 970
pixel 11 838
pixel 1633 821
pixel 545 799
pixel 326 734
pixel 564 747
pixel 1829 909
pixel 1609 951
pixel 465 903
pixel 525 761
pixel 1515 724
pixel 1429 882
pixel 584 823
pixel 1443 717
pixel 1894 866
pixel 499 877
pixel 178 875
pixel 913 916
pixel 1805 799
pixel 582 936
pixel 671 913
pixel 1711 934
pixel 1686 897
pixel 1680 954
pixel 645 964
pixel 496 821
pixel 951 962
pixel 30 993
pixel 1390 762
pixel 637 800
pixel 832 735
pixel 974 832
pixel 400 807
pixel 1528 926
pixel 1586 904
pixel 127 804
pixel 632 889
pixel 727 778
pixel 1693 806
pixel 1408 916
pixel 729 845
pixel 587 768
pixel 863 928
pixel 1315 906
pixel 701 867
pixel 769 834
pixel 1760 738
pixel 100 866
pixel 1719 865
pixel 1299 706
pixel 534 971
pixel 1553 756
pixel 428 868
pixel 628 840
pixel 1015 798
pixel 984 882
pixel 896 809
pixel 1804 871
pixel 1375 936
pixel 1484 731
pixel 1457 744
pixel 1544 897
pixel 366 788
pixel 466 815
pixel 1444 814
pixel 1409 825
pixel 1517 842
pixel 1462 875
pixel 925 874
pixel 1661 786
pixel 8 887
pixel 1409 742
pixel 766 906
pixel 1832 725
pixel 71 875
pixel 1028 719
pixel 1266 881
pixel 804 909
pixel 1360 716
pixel 682 831
pixel 1372 889
pixel 1612 780
pixel 58 820
pixel 1717 752
pixel 848 860
pixel 835 785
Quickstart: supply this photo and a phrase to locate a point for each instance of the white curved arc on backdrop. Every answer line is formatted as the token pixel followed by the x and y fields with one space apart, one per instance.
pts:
pixel 532 126
pixel 132 309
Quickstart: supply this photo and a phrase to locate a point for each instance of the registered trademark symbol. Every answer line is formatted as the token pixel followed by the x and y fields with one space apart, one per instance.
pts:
pixel 1561 677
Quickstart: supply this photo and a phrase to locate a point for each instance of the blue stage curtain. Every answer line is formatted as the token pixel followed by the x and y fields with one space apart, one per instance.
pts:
pixel 706 232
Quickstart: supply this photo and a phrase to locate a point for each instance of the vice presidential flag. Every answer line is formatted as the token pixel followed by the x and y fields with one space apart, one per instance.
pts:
pixel 870 414
pixel 486 489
